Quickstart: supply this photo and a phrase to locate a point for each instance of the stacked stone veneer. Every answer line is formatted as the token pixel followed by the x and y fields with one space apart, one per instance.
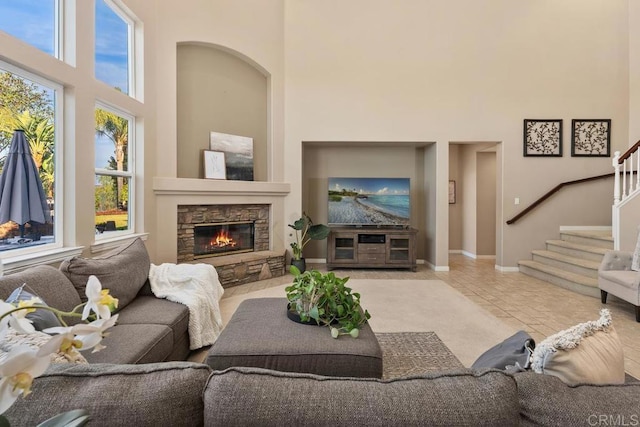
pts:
pixel 233 269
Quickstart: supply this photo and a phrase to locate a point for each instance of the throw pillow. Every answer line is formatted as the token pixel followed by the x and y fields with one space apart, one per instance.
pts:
pixel 35 341
pixel 514 353
pixel 123 271
pixel 588 353
pixel 635 262
pixel 41 319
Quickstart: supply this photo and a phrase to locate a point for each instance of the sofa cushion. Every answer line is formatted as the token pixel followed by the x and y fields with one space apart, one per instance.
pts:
pixel 156 311
pixel 627 278
pixel 36 340
pixel 159 394
pixel 134 344
pixel 254 396
pixel 589 352
pixel 123 271
pixel 47 283
pixel 547 401
pixel 40 319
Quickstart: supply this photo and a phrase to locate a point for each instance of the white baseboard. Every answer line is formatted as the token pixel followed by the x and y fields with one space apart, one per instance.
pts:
pixel 316 260
pixel 469 254
pixel 507 269
pixel 455 251
pixel 584 227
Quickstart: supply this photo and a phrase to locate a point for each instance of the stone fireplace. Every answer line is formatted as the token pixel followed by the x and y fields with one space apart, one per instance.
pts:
pixel 233 238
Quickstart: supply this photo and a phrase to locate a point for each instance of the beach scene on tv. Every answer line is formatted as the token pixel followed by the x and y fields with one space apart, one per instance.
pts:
pixel 369 201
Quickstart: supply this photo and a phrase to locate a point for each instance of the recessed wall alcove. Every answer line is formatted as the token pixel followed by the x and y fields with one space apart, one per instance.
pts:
pixel 222 91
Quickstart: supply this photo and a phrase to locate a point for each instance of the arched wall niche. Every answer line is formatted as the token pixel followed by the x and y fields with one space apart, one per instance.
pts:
pixel 220 90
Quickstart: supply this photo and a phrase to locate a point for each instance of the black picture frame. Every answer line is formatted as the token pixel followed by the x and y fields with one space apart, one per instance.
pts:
pixel 590 137
pixel 542 138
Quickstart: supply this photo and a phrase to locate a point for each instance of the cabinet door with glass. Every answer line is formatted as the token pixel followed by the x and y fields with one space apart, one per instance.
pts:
pixel 399 249
pixel 343 248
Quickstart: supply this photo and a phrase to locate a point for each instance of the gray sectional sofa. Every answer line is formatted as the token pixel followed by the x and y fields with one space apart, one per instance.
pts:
pixel 149 329
pixel 190 394
pixel 134 381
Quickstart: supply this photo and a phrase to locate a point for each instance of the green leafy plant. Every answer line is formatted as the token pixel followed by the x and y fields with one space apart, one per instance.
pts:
pixel 306 231
pixel 325 299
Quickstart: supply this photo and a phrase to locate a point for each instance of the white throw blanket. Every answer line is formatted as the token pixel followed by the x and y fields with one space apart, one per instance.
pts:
pixel 196 286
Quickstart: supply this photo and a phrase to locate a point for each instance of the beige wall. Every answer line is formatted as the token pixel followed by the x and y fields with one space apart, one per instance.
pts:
pixel 462 71
pixel 486 207
pixel 252 30
pixel 456 209
pixel 218 91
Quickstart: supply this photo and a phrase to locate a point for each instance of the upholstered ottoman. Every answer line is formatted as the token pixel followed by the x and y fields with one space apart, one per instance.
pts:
pixel 259 334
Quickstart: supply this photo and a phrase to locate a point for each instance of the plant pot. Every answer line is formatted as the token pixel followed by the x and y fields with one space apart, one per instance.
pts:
pixel 300 264
pixel 293 315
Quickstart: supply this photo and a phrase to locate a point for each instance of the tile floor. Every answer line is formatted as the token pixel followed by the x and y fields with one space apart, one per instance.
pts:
pixel 524 302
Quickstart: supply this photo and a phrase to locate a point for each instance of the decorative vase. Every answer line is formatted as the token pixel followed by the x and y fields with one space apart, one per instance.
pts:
pixel 300 264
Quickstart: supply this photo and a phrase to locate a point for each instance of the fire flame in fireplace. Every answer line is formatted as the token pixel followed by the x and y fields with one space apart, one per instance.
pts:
pixel 222 240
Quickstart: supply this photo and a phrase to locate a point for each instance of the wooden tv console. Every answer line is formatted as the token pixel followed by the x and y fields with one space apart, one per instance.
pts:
pixel 371 247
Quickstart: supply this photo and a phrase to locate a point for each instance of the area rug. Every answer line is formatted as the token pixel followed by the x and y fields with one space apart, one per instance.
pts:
pixel 414 353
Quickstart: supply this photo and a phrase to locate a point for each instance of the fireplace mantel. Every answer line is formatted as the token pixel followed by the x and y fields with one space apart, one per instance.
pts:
pixel 189 186
pixel 172 192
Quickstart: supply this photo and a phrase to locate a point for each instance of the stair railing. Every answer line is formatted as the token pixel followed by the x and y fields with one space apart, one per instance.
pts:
pixel 625 186
pixel 553 191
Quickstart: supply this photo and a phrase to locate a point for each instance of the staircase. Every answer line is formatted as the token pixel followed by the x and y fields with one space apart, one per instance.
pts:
pixel 571 262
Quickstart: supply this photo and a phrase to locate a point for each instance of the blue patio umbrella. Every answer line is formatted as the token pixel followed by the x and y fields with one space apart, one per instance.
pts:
pixel 22 197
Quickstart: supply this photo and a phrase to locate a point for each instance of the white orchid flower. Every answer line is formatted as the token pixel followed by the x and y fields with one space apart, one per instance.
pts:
pixel 18 370
pixel 92 334
pixel 83 336
pixel 98 300
pixel 17 319
pixel 64 342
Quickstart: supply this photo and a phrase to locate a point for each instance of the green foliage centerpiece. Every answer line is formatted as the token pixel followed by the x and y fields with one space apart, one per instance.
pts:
pixel 325 299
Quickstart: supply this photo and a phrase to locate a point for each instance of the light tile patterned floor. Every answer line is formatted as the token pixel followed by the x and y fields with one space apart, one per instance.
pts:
pixel 525 302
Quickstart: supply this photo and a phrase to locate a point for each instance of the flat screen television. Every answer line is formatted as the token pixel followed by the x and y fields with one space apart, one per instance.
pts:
pixel 369 201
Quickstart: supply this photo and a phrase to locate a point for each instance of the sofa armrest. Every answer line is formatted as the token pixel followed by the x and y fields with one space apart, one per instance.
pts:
pixel 616 260
pixel 143 395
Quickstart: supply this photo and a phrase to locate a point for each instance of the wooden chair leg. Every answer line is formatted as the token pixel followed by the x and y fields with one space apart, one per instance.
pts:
pixel 603 296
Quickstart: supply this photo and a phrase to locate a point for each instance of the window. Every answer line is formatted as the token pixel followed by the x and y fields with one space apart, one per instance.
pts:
pixel 114 34
pixel 31 104
pixel 32 21
pixel 114 175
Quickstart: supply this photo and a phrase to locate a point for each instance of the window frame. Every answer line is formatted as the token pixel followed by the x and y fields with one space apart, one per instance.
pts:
pixel 58 155
pixel 129 173
pixel 119 9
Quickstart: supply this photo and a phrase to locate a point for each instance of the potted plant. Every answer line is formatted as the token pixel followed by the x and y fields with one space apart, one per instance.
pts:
pixel 306 231
pixel 323 299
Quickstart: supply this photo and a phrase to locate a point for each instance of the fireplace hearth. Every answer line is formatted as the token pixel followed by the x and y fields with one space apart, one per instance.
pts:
pixel 216 239
pixel 239 256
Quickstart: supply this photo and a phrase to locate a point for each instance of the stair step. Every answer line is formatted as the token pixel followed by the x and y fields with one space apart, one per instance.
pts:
pixel 598 238
pixel 559 277
pixel 593 253
pixel 568 263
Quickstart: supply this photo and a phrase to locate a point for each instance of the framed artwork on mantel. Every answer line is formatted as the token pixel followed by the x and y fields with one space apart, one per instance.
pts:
pixel 214 166
pixel 543 138
pixel 238 152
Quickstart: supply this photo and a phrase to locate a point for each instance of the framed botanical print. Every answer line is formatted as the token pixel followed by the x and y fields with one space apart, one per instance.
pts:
pixel 590 137
pixel 543 138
